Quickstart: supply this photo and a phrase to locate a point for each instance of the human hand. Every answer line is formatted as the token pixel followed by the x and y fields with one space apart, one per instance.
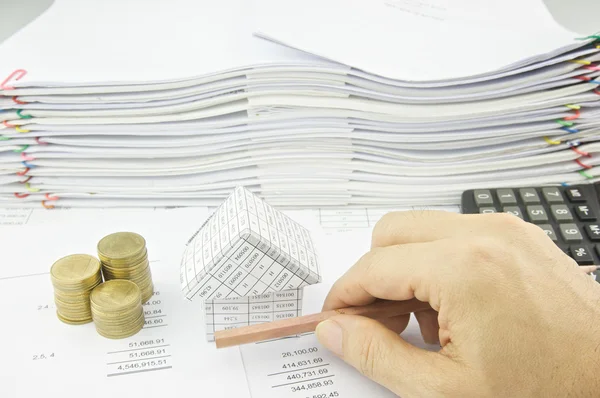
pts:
pixel 514 315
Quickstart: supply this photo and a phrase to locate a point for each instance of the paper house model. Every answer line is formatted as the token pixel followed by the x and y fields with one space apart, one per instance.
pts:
pixel 247 248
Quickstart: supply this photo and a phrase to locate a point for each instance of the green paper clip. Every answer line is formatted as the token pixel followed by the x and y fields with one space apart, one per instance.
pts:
pixel 592 37
pixel 23 116
pixel 586 175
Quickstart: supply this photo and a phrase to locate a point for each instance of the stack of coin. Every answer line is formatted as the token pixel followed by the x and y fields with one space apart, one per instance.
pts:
pixel 124 256
pixel 74 277
pixel 117 309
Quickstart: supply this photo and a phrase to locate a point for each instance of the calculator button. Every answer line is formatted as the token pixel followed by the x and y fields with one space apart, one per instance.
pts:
pixel 488 210
pixel 547 228
pixel 514 210
pixel 582 254
pixel 537 214
pixel 575 195
pixel 529 195
pixel 593 231
pixel 483 197
pixel 598 250
pixel 584 213
pixel 552 195
pixel 561 213
pixel 506 197
pixel 570 233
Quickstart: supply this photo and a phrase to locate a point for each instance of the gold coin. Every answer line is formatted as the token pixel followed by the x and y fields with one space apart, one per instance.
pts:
pixel 72 270
pixel 72 322
pixel 128 268
pixel 121 245
pixel 116 295
pixel 126 262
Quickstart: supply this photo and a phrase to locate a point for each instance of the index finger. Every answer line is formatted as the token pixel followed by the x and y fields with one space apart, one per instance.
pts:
pixel 399 272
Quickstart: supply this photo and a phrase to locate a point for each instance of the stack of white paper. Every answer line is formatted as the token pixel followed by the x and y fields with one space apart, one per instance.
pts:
pixel 312 102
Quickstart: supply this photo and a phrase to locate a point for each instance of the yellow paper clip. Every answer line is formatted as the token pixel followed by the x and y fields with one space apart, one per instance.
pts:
pixel 574 107
pixel 551 142
pixel 580 61
pixel 20 130
pixel 30 189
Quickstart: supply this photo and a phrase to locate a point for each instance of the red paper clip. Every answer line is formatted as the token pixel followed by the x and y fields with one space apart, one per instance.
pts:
pixel 592 67
pixel 573 117
pixel 21 195
pixel 48 197
pixel 16 75
pixel 585 166
pixel 580 152
pixel 22 173
pixel 584 78
pixel 17 101
pixel 7 124
pixel 37 139
pixel 26 180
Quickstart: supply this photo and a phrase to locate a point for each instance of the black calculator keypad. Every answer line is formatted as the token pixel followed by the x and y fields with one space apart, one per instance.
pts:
pixel 568 215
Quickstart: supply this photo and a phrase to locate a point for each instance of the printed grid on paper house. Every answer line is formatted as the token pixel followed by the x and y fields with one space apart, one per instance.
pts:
pixel 247 248
pixel 222 314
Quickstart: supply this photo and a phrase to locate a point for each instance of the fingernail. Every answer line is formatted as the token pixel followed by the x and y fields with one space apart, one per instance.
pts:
pixel 329 334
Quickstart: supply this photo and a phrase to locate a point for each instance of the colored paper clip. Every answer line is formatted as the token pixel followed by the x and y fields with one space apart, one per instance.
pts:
pixel 26 157
pixel 565 123
pixel 16 75
pixel 21 195
pixel 551 142
pixel 7 124
pixel 40 142
pixel 573 117
pixel 574 107
pixel 22 173
pixel 580 61
pixel 580 152
pixel 20 130
pixel 3 138
pixel 586 175
pixel 48 197
pixel 570 130
pixel 592 37
pixel 22 149
pixel 26 180
pixel 17 101
pixel 20 114
pixel 30 188
pixel 594 68
pixel 49 207
pixel 29 166
pixel 585 166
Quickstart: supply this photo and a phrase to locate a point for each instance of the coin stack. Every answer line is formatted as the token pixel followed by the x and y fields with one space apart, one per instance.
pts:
pixel 117 309
pixel 74 277
pixel 124 256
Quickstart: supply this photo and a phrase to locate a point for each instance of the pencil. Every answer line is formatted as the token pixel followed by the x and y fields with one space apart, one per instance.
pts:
pixel 308 323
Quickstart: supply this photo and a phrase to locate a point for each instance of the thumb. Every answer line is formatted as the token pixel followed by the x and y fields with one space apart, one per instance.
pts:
pixel 384 357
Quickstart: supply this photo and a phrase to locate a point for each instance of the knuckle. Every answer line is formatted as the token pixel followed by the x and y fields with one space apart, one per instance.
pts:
pixel 484 251
pixel 372 262
pixel 382 228
pixel 506 220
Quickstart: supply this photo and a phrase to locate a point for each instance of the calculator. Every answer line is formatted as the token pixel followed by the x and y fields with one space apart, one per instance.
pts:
pixel 569 215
